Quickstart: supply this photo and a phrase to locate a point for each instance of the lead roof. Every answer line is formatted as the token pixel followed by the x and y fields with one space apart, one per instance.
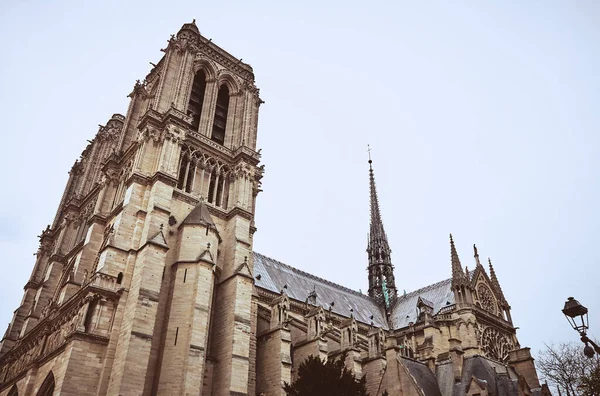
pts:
pixel 276 276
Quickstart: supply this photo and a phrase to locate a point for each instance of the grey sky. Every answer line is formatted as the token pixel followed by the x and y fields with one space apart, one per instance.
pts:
pixel 483 119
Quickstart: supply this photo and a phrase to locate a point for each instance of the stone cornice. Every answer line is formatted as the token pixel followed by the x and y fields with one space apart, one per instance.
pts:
pixel 490 319
pixel 214 148
pixel 31 285
pixel 303 308
pixel 246 153
pixel 185 197
pixel 199 46
pixel 214 210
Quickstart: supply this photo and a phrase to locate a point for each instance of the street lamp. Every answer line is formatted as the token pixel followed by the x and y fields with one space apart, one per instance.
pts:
pixel 577 315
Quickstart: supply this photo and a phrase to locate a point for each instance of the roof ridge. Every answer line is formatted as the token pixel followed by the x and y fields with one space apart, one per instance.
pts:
pixel 316 277
pixel 425 288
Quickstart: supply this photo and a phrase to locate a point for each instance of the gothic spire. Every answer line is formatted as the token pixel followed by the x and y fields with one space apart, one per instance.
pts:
pixel 382 285
pixel 376 226
pixel 494 280
pixel 457 272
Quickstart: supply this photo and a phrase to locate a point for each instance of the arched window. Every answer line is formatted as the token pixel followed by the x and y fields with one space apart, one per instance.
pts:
pixel 220 121
pixel 187 170
pixel 218 186
pixel 211 186
pixel 183 170
pixel 47 388
pixel 196 101
pixel 120 278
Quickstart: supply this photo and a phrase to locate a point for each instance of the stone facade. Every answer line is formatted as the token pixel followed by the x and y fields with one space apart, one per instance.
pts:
pixel 146 282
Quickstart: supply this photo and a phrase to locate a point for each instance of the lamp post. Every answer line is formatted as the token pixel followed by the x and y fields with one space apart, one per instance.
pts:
pixel 577 315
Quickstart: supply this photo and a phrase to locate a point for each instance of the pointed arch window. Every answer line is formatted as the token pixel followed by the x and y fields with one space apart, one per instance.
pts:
pixel 187 173
pixel 218 188
pixel 47 388
pixel 220 120
pixel 196 101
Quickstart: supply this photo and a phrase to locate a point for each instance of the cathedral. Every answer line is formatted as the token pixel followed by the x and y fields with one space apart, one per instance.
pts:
pixel 146 282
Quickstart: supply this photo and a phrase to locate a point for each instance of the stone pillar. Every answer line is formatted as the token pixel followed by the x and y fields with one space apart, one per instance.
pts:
pixel 185 349
pixel 376 343
pixel 391 383
pixel 273 361
pixel 522 361
pixel 374 368
pixel 456 354
pixel 316 347
pixel 230 338
pixel 134 346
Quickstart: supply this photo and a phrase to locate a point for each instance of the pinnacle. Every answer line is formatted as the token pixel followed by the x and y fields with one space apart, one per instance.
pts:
pixel 457 272
pixel 494 280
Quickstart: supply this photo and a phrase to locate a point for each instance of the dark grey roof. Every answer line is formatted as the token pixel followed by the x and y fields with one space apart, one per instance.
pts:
pixel 425 301
pixel 405 310
pixel 274 275
pixel 423 376
pixel 199 216
pixel 444 373
pixel 500 380
pixel 159 239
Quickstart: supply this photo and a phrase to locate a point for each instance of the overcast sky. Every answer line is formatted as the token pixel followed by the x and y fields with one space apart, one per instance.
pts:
pixel 483 118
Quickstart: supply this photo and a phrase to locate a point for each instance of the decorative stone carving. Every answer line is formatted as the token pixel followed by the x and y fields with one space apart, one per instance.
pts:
pixel 111 176
pixel 496 344
pixel 486 298
pixel 110 132
pixel 77 168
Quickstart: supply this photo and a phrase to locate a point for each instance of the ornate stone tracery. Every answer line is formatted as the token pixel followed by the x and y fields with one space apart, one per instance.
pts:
pixel 486 298
pixel 496 344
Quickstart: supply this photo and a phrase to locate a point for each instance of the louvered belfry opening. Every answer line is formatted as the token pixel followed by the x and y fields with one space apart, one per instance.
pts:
pixel 194 109
pixel 220 122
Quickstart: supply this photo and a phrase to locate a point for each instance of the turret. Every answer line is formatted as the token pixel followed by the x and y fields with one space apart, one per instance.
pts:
pixel 191 303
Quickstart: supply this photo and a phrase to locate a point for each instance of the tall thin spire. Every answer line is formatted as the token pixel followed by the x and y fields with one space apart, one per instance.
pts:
pixel 495 282
pixel 457 272
pixel 376 225
pixel 382 285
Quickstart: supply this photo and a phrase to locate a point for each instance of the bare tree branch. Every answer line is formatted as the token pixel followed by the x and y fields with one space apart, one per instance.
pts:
pixel 565 367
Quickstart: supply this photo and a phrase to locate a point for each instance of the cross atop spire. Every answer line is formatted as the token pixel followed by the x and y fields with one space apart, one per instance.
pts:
pixel 381 271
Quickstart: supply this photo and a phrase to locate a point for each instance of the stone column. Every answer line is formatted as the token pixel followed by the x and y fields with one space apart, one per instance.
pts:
pixel 273 361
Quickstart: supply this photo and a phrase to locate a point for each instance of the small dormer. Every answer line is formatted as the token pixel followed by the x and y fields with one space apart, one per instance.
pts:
pixel 349 333
pixel 317 322
pixel 425 309
pixel 376 343
pixel 280 308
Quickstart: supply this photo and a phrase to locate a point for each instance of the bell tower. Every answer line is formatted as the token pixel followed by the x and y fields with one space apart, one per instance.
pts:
pixel 196 137
pixel 149 259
